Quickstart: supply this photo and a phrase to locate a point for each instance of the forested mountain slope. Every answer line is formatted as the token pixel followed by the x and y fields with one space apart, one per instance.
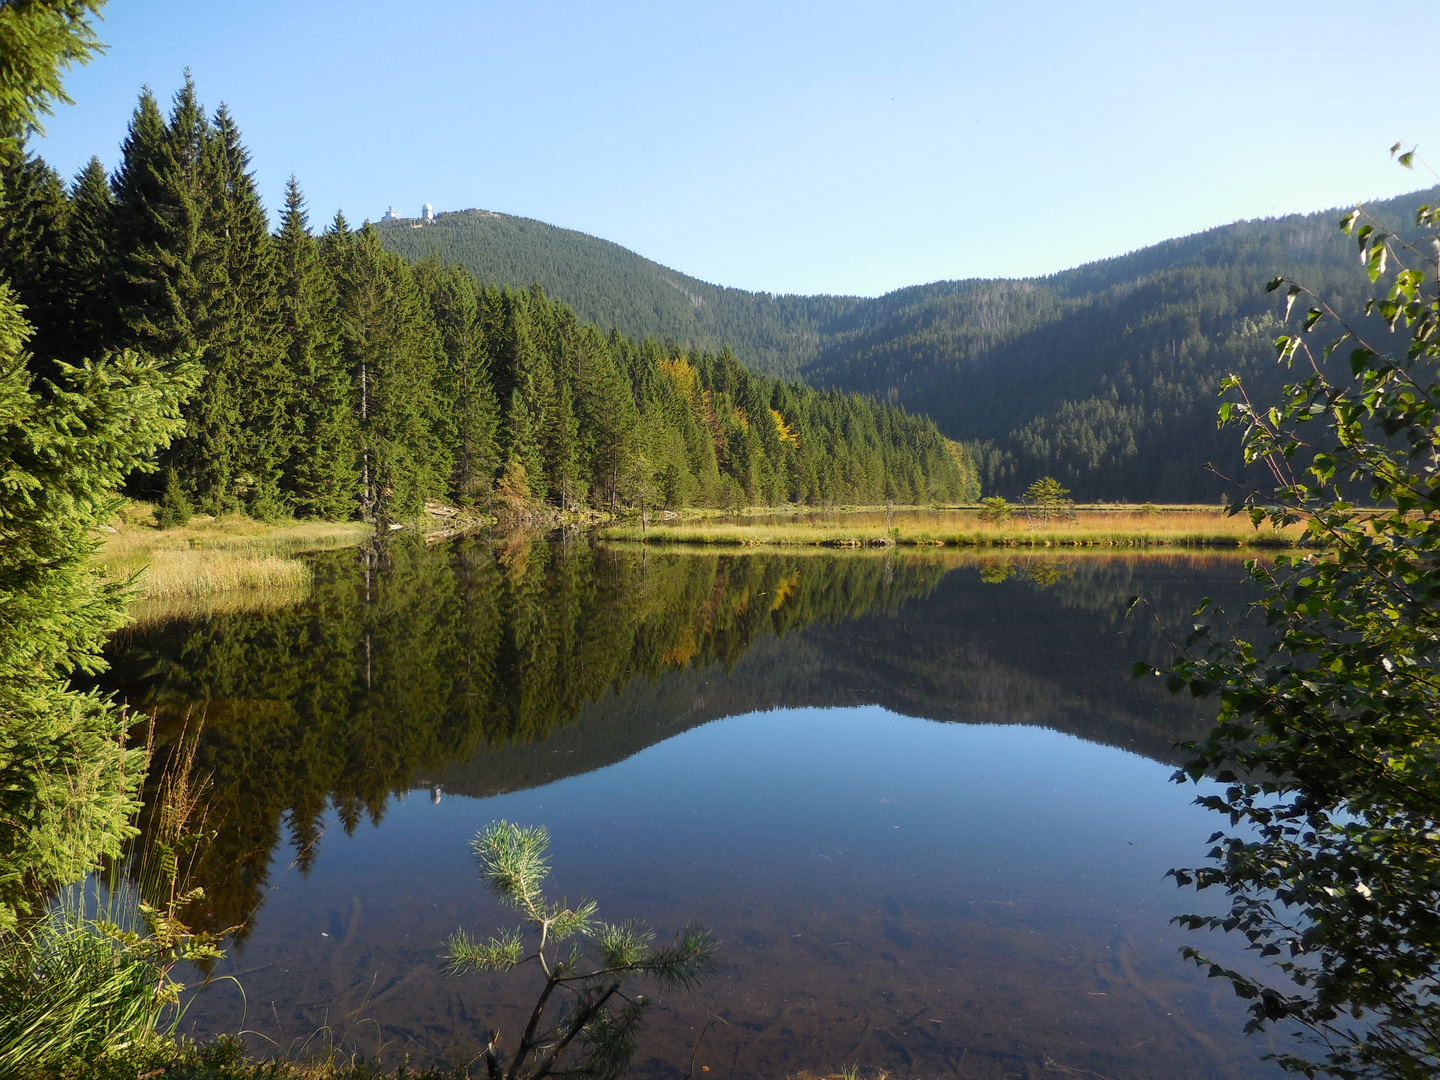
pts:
pixel 333 378
pixel 612 286
pixel 1105 376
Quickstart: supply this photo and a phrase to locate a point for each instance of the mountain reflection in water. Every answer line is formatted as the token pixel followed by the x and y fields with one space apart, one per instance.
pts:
pixel 496 671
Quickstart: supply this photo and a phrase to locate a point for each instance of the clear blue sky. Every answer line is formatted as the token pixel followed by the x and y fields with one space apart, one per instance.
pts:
pixel 798 147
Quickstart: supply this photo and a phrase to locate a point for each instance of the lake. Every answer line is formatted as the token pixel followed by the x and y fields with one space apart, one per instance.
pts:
pixel 917 797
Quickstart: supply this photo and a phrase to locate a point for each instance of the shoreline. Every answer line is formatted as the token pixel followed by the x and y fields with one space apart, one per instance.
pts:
pixel 214 564
pixel 236 563
pixel 1108 527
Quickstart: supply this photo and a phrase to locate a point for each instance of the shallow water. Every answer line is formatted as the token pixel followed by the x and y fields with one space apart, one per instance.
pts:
pixel 918 799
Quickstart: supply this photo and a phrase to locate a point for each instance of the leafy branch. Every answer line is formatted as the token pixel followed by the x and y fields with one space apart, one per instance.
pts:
pixel 1327 742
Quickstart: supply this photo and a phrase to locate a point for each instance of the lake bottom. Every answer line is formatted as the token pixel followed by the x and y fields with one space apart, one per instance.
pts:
pixel 930 899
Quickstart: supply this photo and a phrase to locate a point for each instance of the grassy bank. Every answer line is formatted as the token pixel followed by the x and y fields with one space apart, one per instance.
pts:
pixel 235 563
pixel 1184 527
pixel 228 1059
pixel 227 563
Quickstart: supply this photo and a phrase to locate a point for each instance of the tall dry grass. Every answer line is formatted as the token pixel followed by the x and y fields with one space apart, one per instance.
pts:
pixel 1126 528
pixel 214 558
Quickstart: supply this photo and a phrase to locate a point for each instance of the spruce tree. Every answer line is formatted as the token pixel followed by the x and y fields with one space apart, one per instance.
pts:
pixel 170 279
pixel 67 782
pixel 173 509
pixel 39 41
pixel 463 382
pixel 249 347
pixel 32 248
pixel 90 324
pixel 169 268
pixel 565 479
pixel 520 367
pixel 390 348
pixel 523 460
pixel 607 418
pixel 319 477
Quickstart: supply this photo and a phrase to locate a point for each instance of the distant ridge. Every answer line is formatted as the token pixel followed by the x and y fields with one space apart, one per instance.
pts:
pixel 1105 376
pixel 613 287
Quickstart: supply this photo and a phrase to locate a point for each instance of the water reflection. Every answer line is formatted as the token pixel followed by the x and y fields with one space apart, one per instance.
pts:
pixel 989 897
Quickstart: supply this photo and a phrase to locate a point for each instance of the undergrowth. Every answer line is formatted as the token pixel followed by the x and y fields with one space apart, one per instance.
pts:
pixel 227 1059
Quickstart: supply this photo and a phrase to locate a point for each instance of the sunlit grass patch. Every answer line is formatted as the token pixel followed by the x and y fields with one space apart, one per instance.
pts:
pixel 217 557
pixel 1126 527
pixel 174 574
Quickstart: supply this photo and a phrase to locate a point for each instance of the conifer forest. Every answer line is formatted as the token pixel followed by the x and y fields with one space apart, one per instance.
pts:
pixel 339 380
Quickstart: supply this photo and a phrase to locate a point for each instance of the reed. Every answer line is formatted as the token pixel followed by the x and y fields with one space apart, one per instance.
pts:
pixel 1137 528
pixel 89 981
pixel 217 557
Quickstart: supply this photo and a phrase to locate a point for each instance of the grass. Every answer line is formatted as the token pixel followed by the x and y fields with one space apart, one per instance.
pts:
pixel 227 563
pixel 227 1059
pixel 67 991
pixel 89 980
pixel 1186 527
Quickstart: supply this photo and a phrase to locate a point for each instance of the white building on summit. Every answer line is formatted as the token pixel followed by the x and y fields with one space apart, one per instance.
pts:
pixel 390 215
pixel 428 213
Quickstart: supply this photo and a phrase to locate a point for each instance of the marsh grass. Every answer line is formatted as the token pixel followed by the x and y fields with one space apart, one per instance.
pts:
pixel 1141 527
pixel 227 1058
pixel 249 601
pixel 231 556
pixel 89 980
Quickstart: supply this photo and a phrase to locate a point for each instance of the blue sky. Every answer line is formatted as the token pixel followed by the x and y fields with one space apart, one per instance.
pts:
pixel 797 147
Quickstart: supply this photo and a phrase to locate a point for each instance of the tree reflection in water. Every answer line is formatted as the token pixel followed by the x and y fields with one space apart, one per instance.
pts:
pixel 483 667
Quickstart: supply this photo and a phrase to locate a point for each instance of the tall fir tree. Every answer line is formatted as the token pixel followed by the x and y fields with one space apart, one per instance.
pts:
pixel 607 417
pixel 319 477
pixel 521 370
pixel 33 234
pixel 171 280
pixel 390 347
pixel 523 478
pixel 463 381
pixel 249 347
pixel 565 479
pixel 90 324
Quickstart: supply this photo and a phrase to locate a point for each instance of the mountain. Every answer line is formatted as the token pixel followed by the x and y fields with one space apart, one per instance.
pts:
pixel 612 286
pixel 1105 376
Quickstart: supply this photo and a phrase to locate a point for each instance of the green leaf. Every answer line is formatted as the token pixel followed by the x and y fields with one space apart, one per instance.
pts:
pixel 1375 264
pixel 1290 296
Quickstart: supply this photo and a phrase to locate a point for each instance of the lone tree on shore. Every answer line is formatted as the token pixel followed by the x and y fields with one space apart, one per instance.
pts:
pixel 1047 499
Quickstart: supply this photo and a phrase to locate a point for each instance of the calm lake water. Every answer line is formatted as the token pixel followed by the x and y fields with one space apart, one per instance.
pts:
pixel 917 797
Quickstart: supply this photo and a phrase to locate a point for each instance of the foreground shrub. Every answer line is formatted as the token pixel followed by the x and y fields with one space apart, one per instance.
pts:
pixel 593 1033
pixel 1328 739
